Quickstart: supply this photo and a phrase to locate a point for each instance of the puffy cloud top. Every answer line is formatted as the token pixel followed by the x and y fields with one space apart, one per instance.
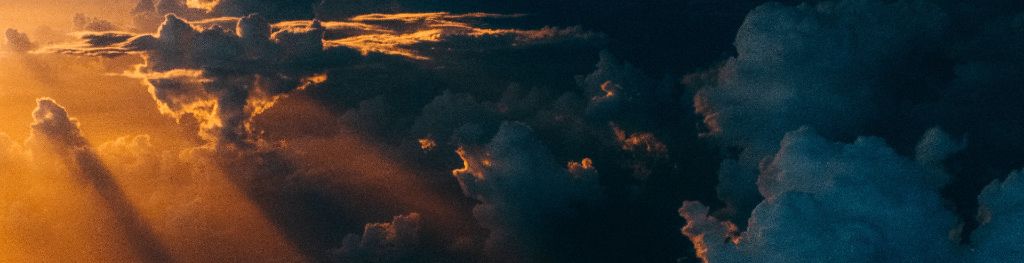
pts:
pixel 859 202
pixel 382 242
pixel 833 202
pixel 821 65
pixel 53 124
pixel 1002 218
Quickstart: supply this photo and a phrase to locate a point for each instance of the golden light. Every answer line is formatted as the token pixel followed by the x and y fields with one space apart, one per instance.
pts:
pixel 609 88
pixel 641 141
pixel 427 144
pixel 585 164
pixel 202 4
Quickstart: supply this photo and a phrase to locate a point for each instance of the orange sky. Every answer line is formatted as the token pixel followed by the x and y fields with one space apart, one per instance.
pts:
pixel 107 106
pixel 28 15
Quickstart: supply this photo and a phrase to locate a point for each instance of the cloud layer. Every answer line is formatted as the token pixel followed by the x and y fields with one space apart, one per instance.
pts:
pixel 565 131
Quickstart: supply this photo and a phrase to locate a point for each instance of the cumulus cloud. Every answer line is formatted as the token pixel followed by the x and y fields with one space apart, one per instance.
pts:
pixel 638 114
pixel 220 77
pixel 419 85
pixel 620 92
pixel 523 193
pixel 888 69
pixel 382 242
pixel 847 68
pixel 448 112
pixel 820 65
pixel 225 71
pixel 1001 218
pixel 53 125
pixel 224 76
pixel 826 201
pixel 148 15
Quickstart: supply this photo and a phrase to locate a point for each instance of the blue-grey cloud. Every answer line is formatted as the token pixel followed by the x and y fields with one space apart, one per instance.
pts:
pixel 820 65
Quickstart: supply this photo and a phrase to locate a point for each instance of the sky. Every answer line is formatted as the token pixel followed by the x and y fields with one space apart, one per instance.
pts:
pixel 511 131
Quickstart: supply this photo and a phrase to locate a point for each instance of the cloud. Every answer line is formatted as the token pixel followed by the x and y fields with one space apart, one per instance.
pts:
pixel 869 68
pixel 29 217
pixel 937 146
pixel 224 76
pixel 53 125
pixel 226 71
pixel 148 15
pixel 83 22
pixel 449 111
pixel 826 201
pixel 220 77
pixel 620 92
pixel 411 34
pixel 382 242
pixel 523 193
pixel 54 128
pixel 643 142
pixel 1001 218
pixel 318 119
pixel 18 41
pixel 822 65
pixel 192 205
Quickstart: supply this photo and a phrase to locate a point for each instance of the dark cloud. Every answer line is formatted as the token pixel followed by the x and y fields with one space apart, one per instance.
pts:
pixel 216 75
pixel 83 22
pixel 383 242
pixel 523 192
pixel 658 36
pixel 148 15
pixel 225 77
pixel 849 68
pixel 17 41
pixel 53 125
